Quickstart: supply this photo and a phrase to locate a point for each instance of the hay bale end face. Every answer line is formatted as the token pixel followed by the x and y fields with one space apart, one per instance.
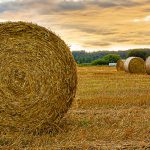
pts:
pixel 37 77
pixel 120 65
pixel 147 65
pixel 134 65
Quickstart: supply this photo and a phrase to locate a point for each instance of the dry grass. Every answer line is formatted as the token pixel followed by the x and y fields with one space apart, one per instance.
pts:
pixel 135 65
pixel 147 65
pixel 120 65
pixel 37 78
pixel 111 111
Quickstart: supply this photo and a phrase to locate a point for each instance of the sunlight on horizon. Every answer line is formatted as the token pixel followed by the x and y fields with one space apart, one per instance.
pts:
pixel 77 47
pixel 89 25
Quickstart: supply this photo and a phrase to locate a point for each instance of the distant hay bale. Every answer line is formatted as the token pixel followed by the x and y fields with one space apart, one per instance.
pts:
pixel 37 77
pixel 147 65
pixel 120 65
pixel 134 65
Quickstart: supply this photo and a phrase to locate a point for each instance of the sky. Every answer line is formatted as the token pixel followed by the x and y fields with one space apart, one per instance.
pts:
pixel 89 25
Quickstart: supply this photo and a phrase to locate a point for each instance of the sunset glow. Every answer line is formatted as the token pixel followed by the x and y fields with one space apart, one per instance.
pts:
pixel 87 24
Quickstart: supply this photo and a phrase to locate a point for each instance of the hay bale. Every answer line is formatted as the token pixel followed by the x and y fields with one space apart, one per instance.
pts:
pixel 134 65
pixel 147 65
pixel 37 77
pixel 120 65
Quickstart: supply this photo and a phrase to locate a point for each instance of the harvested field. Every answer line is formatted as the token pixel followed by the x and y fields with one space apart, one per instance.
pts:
pixel 111 111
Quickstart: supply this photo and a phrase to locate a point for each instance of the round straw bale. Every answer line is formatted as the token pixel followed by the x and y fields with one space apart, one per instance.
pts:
pixel 37 77
pixel 134 65
pixel 120 65
pixel 147 65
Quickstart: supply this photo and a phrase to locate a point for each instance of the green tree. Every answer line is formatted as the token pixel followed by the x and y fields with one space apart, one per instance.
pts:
pixel 137 53
pixel 100 62
pixel 110 58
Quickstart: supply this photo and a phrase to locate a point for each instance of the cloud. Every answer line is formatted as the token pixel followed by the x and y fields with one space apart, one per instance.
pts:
pixel 141 34
pixel 104 4
pixel 89 23
pixel 97 43
pixel 119 40
pixel 145 19
pixel 50 6
pixel 90 29
pixel 2 1
pixel 142 42
pixel 20 5
pixel 71 5
pixel 83 4
pixel 115 3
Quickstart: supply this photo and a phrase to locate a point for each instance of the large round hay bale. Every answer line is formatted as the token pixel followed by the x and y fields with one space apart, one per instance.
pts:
pixel 134 65
pixel 120 65
pixel 37 77
pixel 147 65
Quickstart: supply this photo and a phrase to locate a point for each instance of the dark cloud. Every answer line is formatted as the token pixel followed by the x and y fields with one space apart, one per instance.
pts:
pixel 25 5
pixel 138 38
pixel 90 29
pixel 103 4
pixel 136 34
pixel 97 43
pixel 71 5
pixel 118 39
pixel 43 6
pixel 141 42
pixel 146 10
pixel 50 6
pixel 122 40
pixel 10 6
pixel 143 33
pixel 114 3
pixel 80 5
pixel 97 31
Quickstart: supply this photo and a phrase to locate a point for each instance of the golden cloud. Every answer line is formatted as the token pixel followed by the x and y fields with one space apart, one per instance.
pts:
pixel 91 24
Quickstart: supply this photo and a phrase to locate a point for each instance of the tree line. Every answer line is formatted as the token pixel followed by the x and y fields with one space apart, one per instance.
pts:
pixel 100 57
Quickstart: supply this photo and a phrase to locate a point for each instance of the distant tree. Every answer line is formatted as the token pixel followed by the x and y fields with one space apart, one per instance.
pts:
pixel 100 62
pixel 110 58
pixel 138 53
pixel 88 57
pixel 82 56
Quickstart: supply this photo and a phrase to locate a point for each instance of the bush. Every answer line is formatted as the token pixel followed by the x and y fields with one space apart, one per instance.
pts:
pixel 100 62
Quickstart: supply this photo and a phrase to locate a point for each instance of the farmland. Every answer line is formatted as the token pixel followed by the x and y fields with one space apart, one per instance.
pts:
pixel 111 111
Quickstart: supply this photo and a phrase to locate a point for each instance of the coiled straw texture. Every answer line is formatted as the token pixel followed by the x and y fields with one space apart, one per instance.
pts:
pixel 135 65
pixel 120 65
pixel 37 77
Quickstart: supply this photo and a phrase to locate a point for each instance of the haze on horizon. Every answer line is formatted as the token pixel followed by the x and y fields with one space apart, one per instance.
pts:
pixel 87 24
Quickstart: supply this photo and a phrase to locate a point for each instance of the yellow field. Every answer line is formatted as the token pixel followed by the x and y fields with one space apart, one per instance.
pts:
pixel 111 111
